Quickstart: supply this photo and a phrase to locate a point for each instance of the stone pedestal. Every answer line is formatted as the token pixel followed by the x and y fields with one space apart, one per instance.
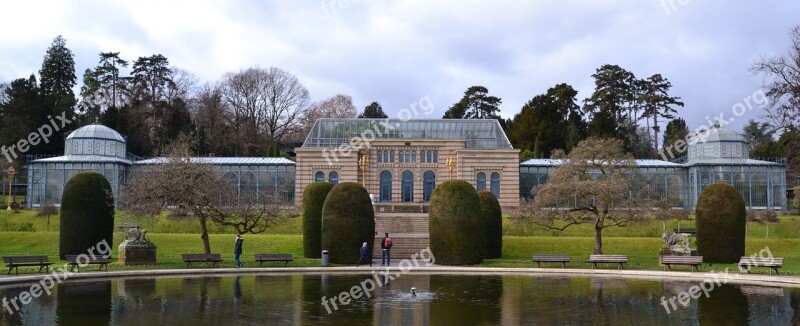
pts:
pixel 137 253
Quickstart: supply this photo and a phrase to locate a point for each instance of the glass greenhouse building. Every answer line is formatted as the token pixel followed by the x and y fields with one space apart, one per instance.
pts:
pixel 100 149
pixel 723 156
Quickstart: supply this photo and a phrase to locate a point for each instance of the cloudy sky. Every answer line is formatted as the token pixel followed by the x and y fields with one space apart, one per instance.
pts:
pixel 397 52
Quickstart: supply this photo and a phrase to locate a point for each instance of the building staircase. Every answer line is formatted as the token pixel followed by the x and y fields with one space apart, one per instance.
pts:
pixel 409 232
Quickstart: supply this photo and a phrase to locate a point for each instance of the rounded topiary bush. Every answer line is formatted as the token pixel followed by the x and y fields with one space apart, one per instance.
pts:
pixel 456 226
pixel 313 199
pixel 347 221
pixel 721 219
pixel 87 214
pixel 493 224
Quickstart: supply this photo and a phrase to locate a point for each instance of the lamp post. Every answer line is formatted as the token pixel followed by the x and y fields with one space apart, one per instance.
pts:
pixel 451 165
pixel 363 164
pixel 11 173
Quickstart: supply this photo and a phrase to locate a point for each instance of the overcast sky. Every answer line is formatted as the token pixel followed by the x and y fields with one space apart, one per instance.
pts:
pixel 397 52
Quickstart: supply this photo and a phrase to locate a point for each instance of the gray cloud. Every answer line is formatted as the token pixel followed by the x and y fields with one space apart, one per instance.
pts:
pixel 399 51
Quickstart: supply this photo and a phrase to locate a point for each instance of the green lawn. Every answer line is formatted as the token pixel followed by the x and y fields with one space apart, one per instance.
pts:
pixel 26 233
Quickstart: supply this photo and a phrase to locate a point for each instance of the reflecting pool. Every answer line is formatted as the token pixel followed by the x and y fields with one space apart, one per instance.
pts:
pixel 438 300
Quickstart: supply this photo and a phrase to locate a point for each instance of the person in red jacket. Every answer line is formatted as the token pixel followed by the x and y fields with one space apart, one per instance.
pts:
pixel 386 245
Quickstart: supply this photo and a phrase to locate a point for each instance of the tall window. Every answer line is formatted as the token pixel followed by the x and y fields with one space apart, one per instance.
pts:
pixel 428 183
pixel 413 156
pixel 435 156
pixel 495 184
pixel 481 182
pixel 385 156
pixel 407 191
pixel 386 187
pixel 391 157
pixel 319 176
pixel 422 156
pixel 408 156
pixel 380 157
pixel 333 177
pixel 400 157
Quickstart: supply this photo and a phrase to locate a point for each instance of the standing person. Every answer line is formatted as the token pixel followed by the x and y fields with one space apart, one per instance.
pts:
pixel 237 250
pixel 386 245
pixel 364 255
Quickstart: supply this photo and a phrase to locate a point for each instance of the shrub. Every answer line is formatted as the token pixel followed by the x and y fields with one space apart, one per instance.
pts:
pixel 769 216
pixel 87 214
pixel 347 220
pixel 456 227
pixel 313 199
pixel 720 224
pixel 493 222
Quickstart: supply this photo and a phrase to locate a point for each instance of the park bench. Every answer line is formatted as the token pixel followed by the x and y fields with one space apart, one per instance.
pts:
pixel 539 259
pixel 74 264
pixel 14 262
pixel 693 261
pixel 608 259
pixel 771 263
pixel 214 259
pixel 264 258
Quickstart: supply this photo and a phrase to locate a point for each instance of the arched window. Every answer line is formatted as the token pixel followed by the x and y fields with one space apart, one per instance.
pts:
pixel 429 156
pixel 495 184
pixel 422 157
pixel 319 176
pixel 380 156
pixel 413 156
pixel 407 190
pixel 428 183
pixel 385 156
pixel 400 157
pixel 408 156
pixel 435 156
pixel 391 156
pixel 386 186
pixel 480 185
pixel 333 177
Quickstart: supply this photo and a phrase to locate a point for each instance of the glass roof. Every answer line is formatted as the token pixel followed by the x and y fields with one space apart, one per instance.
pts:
pixel 476 133
pixel 96 132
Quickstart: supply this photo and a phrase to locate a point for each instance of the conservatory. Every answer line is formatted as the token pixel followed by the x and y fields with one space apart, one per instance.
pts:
pixel 400 161
pixel 100 149
pixel 723 156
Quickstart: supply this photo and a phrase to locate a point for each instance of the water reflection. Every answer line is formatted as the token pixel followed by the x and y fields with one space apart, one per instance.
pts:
pixel 440 300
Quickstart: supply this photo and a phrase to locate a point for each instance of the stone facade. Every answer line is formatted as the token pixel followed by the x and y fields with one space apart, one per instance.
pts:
pixel 420 156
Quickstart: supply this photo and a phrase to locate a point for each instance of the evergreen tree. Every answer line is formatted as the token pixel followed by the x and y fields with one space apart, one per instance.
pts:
pixel 476 104
pixel 544 121
pixel 657 102
pixel 675 136
pixel 56 80
pixel 373 111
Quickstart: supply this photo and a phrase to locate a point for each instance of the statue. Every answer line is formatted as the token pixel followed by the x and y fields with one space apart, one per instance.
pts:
pixel 676 244
pixel 137 249
pixel 136 235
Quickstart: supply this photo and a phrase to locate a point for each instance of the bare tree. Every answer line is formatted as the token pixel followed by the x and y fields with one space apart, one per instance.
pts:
pixel 596 183
pixel 265 105
pixel 337 106
pixel 783 86
pixel 212 118
pixel 180 181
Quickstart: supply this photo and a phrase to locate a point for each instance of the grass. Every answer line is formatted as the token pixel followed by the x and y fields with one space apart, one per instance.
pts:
pixel 27 234
pixel 517 251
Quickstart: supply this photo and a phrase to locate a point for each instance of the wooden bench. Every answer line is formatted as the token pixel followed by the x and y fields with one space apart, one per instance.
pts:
pixel 693 261
pixel 539 259
pixel 609 259
pixel 214 259
pixel 264 258
pixel 771 263
pixel 14 262
pixel 74 264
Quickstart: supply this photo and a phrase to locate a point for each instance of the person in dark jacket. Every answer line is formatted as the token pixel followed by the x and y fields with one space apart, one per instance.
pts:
pixel 237 250
pixel 364 251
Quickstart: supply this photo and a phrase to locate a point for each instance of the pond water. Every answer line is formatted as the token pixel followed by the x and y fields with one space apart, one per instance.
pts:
pixel 439 300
